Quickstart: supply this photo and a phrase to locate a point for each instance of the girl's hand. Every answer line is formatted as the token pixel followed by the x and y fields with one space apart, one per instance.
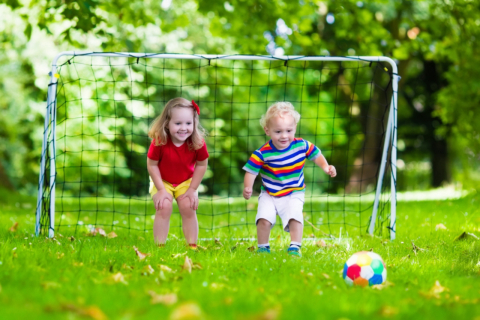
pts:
pixel 331 171
pixel 192 195
pixel 161 196
pixel 247 193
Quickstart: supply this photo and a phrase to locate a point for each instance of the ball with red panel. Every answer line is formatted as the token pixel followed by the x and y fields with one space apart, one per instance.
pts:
pixel 364 268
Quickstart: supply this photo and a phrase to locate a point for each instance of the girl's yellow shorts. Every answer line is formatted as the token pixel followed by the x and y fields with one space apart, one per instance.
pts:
pixel 174 191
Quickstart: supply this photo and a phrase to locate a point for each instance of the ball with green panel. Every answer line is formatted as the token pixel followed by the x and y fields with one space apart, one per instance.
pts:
pixel 364 268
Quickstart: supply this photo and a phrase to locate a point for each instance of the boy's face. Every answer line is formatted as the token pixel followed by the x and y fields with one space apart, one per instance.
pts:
pixel 282 130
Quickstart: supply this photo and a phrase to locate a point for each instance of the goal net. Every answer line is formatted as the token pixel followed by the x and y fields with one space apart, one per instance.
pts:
pixel 93 170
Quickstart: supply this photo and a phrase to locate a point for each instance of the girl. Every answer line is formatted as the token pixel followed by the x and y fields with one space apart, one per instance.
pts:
pixel 176 161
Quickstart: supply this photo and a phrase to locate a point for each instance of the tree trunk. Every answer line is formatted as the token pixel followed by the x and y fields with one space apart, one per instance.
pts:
pixel 438 145
pixel 4 180
pixel 363 176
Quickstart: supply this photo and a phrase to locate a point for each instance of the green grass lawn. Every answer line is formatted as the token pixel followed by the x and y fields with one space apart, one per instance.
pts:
pixel 102 278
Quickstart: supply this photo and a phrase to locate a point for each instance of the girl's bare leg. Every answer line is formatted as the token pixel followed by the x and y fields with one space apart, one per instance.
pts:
pixel 162 222
pixel 189 221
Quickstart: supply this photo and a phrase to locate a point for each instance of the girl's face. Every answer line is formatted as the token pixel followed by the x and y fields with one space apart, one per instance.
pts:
pixel 180 125
pixel 281 130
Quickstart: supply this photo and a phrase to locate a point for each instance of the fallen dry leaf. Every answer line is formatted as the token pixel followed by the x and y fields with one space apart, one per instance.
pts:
pixel 164 268
pixel 148 269
pixel 125 266
pixel 466 236
pixel 326 276
pixel 435 291
pixel 95 313
pixel 251 249
pixel 166 299
pixel 14 227
pixel 383 285
pixel 188 310
pixel 321 243
pixel 438 288
pixel 187 265
pixel 178 255
pixel 71 238
pixel 440 226
pixel 197 265
pixel 217 286
pixel 50 285
pixel 414 248
pixel 141 256
pixel 111 235
pixel 388 311
pixel 96 231
pixel 161 275
pixel 118 277
pixel 218 242
pixel 270 314
pixel 91 312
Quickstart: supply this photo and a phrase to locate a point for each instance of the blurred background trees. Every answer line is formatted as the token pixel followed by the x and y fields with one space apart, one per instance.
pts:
pixel 434 42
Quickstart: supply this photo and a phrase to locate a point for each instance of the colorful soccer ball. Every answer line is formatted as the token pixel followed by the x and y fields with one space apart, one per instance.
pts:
pixel 364 268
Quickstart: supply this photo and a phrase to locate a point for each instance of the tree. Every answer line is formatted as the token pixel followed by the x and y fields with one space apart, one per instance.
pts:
pixel 434 42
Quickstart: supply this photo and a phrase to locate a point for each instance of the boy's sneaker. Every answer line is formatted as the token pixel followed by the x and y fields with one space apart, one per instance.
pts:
pixel 263 250
pixel 193 247
pixel 294 252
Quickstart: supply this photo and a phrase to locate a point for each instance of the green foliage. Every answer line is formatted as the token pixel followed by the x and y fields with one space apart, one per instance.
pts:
pixel 432 107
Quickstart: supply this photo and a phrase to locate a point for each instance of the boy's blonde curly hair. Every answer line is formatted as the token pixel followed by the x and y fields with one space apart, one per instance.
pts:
pixel 279 109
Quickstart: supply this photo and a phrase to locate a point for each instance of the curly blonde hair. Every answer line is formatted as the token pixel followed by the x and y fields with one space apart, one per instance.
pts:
pixel 279 109
pixel 159 128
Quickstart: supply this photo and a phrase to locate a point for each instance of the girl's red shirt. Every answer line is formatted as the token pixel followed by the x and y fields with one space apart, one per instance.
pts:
pixel 176 164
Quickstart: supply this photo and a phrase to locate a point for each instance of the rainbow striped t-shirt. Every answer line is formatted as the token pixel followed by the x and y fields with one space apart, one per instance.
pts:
pixel 282 170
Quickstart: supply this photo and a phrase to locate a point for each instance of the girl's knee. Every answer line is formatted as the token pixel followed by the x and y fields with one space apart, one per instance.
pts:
pixel 185 209
pixel 166 211
pixel 185 205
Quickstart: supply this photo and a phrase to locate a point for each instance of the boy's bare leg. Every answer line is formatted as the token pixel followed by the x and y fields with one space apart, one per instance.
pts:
pixel 162 222
pixel 189 221
pixel 296 230
pixel 263 230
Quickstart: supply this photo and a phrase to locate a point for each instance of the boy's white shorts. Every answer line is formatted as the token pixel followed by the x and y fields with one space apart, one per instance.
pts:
pixel 287 207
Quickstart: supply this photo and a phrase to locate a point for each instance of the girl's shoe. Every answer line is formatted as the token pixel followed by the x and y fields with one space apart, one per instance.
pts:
pixel 294 252
pixel 263 250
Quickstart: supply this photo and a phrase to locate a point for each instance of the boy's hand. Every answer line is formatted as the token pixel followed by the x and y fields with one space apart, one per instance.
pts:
pixel 161 196
pixel 247 193
pixel 331 171
pixel 192 195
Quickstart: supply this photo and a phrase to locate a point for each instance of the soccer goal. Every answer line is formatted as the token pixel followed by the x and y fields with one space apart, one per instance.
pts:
pixel 100 105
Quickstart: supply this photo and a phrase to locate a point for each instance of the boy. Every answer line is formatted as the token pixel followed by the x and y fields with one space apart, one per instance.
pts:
pixel 280 163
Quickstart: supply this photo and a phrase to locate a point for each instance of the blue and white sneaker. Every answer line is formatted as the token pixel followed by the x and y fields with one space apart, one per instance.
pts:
pixel 263 250
pixel 293 251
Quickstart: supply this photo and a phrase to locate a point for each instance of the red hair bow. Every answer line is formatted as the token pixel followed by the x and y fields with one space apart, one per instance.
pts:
pixel 196 107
